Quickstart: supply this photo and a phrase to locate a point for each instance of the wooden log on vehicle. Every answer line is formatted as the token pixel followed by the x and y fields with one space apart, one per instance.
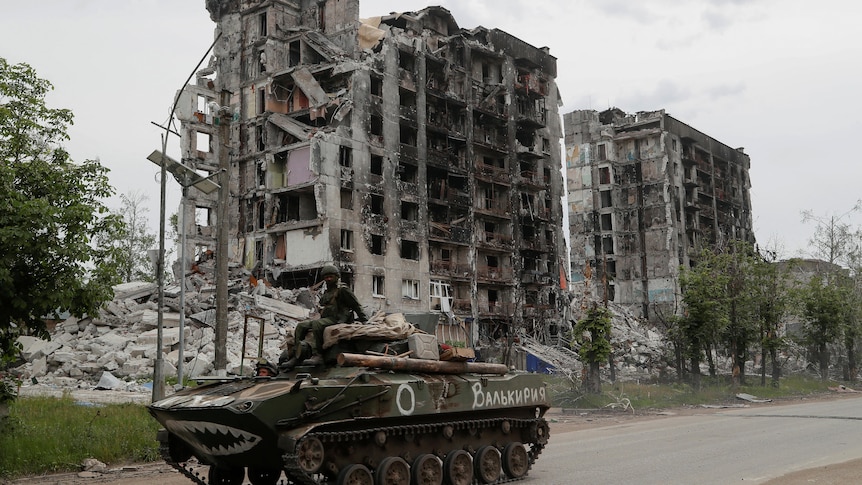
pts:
pixel 419 365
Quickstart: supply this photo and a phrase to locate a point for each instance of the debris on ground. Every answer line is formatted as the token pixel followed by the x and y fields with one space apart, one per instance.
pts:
pixel 842 388
pixel 750 398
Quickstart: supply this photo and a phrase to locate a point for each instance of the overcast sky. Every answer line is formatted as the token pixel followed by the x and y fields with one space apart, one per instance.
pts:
pixel 780 78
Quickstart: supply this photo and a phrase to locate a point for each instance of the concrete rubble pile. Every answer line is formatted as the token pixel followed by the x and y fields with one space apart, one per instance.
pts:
pixel 640 351
pixel 120 341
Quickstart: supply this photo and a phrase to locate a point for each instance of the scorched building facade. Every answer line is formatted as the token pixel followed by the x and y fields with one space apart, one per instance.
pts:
pixel 646 194
pixel 421 158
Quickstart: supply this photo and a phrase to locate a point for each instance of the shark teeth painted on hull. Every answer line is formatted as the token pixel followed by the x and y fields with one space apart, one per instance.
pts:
pixel 213 439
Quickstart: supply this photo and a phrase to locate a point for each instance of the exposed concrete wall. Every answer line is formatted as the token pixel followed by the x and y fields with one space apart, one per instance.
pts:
pixel 433 178
pixel 646 193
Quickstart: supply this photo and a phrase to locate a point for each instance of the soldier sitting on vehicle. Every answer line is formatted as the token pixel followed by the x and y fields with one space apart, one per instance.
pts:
pixel 337 305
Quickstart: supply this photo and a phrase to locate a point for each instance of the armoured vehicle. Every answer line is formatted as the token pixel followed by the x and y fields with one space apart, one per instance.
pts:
pixel 365 420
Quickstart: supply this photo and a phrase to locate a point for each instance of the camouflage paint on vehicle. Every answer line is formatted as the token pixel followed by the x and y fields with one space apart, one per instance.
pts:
pixel 345 424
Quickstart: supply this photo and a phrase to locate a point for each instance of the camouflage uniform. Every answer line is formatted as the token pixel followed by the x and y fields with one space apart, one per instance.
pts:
pixel 337 305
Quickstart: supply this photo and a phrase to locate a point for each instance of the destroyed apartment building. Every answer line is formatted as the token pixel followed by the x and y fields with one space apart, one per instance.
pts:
pixel 421 158
pixel 646 194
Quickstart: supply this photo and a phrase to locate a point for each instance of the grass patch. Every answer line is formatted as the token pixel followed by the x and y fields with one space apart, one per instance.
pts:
pixel 628 395
pixel 50 435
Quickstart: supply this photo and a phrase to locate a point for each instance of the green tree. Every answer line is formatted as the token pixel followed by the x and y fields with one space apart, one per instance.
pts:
pixel 772 296
pixel 134 240
pixel 50 209
pixel 674 335
pixel 838 243
pixel 704 289
pixel 740 264
pixel 824 308
pixel 733 299
pixel 593 333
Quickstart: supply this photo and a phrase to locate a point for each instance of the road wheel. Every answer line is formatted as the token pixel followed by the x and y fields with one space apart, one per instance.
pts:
pixel 487 464
pixel 392 470
pixel 516 461
pixel 355 475
pixel 311 453
pixel 458 468
pixel 427 470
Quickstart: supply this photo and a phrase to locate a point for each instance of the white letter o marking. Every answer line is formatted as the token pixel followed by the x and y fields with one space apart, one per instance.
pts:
pixel 412 407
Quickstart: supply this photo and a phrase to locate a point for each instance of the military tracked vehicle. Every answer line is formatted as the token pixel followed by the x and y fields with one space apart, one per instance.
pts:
pixel 365 420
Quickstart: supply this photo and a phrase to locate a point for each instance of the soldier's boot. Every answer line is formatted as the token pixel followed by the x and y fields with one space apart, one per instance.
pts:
pixel 287 365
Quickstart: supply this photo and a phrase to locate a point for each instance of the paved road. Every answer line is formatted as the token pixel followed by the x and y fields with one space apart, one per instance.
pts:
pixel 764 444
pixel 732 446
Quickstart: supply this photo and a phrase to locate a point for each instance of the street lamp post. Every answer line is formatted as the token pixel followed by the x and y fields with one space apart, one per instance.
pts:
pixel 186 177
pixel 182 342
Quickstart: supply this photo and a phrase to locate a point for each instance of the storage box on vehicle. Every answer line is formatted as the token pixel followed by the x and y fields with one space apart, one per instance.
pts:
pixel 423 346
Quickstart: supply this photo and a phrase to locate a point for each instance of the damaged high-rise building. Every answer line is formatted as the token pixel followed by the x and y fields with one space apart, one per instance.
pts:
pixel 646 194
pixel 421 158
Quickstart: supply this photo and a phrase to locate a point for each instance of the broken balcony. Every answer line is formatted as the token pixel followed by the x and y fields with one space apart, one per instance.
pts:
pixel 449 233
pixel 531 84
pixel 450 268
pixel 496 308
pixel 531 112
pixel 495 240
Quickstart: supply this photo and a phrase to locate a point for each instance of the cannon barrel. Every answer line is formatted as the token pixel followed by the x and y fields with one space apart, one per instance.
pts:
pixel 419 365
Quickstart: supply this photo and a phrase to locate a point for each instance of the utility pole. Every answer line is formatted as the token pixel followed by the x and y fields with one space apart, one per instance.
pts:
pixel 222 147
pixel 182 342
pixel 158 364
pixel 186 178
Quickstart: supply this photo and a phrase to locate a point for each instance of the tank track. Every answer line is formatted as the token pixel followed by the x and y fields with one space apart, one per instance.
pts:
pixel 188 469
pixel 297 476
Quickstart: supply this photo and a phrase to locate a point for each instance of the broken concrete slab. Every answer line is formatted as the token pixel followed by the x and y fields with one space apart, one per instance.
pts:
pixel 290 126
pixel 70 325
pixel 40 366
pixel 170 336
pixel 136 351
pixel 62 355
pixel 94 368
pixel 109 381
pixel 64 338
pixel 34 347
pixel 150 319
pixel 200 365
pixel 134 290
pixel 750 398
pixel 113 339
pixel 168 368
pixel 137 367
pixel 92 465
pixel 206 317
pixel 282 308
pixel 305 80
pixel 115 308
